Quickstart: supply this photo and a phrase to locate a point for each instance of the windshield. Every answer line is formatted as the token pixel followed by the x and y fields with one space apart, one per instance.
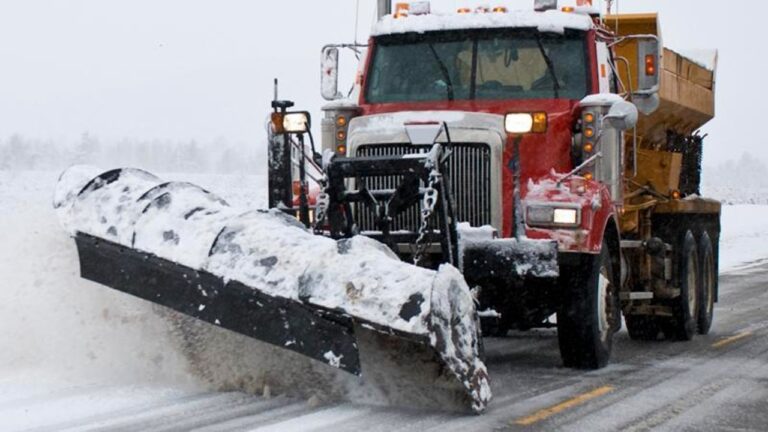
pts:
pixel 486 65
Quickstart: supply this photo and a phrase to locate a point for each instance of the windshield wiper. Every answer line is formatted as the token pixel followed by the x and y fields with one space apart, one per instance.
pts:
pixel 444 70
pixel 550 66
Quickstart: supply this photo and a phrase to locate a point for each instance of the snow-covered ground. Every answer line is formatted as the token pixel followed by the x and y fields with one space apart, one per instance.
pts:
pixel 744 239
pixel 93 350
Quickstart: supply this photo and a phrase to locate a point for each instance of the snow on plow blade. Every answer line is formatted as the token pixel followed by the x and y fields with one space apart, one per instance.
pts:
pixel 262 274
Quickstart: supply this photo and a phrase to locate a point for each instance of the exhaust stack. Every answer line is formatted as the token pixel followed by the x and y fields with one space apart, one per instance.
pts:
pixel 384 8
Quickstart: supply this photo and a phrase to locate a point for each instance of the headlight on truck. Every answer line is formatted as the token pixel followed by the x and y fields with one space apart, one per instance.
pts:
pixel 549 216
pixel 523 123
pixel 566 216
pixel 518 123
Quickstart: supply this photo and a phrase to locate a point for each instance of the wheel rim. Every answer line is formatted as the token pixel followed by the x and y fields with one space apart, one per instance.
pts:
pixel 603 303
pixel 710 285
pixel 691 288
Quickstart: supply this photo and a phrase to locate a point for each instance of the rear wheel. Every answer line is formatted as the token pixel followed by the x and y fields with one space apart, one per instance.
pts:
pixel 587 317
pixel 685 308
pixel 708 283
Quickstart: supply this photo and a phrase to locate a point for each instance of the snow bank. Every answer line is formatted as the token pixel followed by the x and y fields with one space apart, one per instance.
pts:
pixel 744 237
pixel 272 253
pixel 58 328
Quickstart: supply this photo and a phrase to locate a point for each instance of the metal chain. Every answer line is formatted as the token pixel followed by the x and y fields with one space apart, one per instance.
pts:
pixel 321 205
pixel 428 207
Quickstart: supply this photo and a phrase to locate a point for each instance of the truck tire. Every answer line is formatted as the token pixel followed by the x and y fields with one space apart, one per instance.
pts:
pixel 685 308
pixel 585 320
pixel 708 284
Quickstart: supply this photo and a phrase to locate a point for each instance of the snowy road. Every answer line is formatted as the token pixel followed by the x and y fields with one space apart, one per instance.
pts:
pixel 75 356
pixel 713 383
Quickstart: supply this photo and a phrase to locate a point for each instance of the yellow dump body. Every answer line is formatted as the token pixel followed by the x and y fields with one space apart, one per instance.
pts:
pixel 686 103
pixel 687 93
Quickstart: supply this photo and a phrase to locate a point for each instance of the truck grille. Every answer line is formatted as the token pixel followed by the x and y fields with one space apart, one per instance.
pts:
pixel 469 169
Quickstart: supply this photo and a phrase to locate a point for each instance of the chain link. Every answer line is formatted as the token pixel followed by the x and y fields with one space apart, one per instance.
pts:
pixel 428 207
pixel 321 205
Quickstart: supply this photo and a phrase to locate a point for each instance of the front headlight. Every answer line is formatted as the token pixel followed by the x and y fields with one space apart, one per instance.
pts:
pixel 518 123
pixel 549 216
pixel 565 216
pixel 523 123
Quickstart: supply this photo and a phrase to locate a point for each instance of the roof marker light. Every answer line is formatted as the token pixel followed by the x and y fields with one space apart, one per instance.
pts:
pixel 544 5
pixel 568 9
pixel 500 9
pixel 464 10
pixel 402 10
pixel 420 8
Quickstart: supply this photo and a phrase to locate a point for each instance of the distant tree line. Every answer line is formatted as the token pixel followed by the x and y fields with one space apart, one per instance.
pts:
pixel 18 152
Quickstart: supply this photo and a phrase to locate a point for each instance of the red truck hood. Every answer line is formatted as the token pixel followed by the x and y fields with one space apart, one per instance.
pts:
pixel 540 153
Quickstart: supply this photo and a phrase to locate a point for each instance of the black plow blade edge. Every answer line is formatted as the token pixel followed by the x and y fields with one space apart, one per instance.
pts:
pixel 321 334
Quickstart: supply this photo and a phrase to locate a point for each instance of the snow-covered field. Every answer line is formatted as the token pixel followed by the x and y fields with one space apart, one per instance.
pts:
pixel 744 240
pixel 94 350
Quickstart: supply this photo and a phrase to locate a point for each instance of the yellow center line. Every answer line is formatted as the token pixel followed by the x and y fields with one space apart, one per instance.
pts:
pixel 723 342
pixel 570 403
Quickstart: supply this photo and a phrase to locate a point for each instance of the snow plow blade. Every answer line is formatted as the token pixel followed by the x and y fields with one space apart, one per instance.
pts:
pixel 350 304
pixel 231 305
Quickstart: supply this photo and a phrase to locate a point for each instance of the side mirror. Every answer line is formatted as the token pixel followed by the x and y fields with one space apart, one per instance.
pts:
pixel 330 74
pixel 621 116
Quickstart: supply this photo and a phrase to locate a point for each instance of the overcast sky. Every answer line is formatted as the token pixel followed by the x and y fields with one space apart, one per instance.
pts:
pixel 195 69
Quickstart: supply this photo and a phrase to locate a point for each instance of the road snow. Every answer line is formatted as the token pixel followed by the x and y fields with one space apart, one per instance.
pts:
pixel 73 351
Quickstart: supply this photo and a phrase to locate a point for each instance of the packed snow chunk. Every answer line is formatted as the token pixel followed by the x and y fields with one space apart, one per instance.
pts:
pixel 275 254
pixel 550 21
pixel 333 359
pixel 180 223
pixel 109 204
pixel 71 183
pixel 454 334
pixel 489 313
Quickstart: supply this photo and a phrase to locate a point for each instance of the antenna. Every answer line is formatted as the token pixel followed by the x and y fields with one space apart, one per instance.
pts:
pixel 275 99
pixel 357 18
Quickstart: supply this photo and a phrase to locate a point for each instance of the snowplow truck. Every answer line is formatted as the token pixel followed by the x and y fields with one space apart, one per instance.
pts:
pixel 489 170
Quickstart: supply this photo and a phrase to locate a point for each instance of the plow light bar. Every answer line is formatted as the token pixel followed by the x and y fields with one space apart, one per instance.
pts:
pixel 297 122
pixel 548 216
pixel 522 123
